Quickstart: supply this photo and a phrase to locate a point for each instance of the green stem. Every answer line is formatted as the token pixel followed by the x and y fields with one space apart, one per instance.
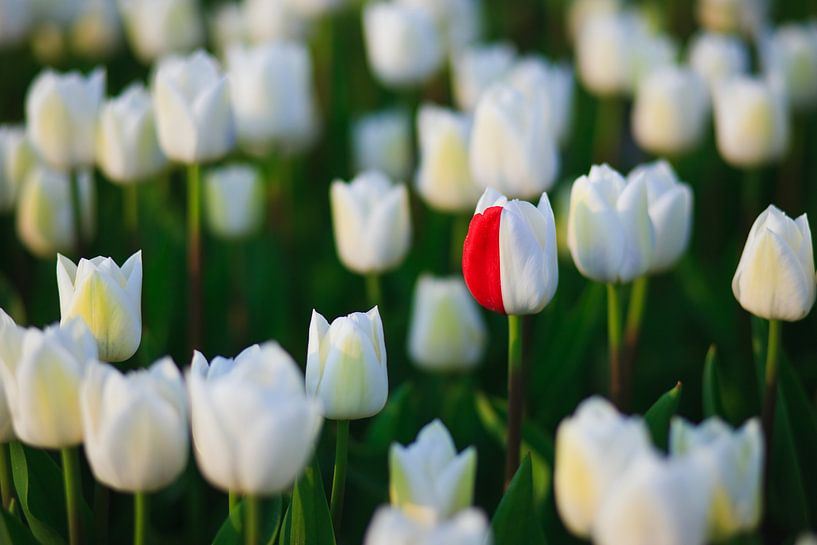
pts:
pixel 140 518
pixel 373 289
pixel 614 339
pixel 751 194
pixel 459 229
pixel 516 397
pixel 6 490
pixel 252 510
pixel 339 478
pixel 194 254
pixel 609 115
pixel 70 473
pixel 232 502
pixel 76 213
pixel 770 395
pixel 132 208
pixel 632 332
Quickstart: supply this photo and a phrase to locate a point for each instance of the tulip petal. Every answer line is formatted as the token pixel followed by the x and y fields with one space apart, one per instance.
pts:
pixel 481 265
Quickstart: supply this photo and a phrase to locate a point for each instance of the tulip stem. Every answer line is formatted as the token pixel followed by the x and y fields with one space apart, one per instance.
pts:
pixel 5 476
pixel 516 397
pixel 373 290
pixel 76 213
pixel 614 339
pixel 140 518
pixel 232 506
pixel 770 395
pixel 132 208
pixel 194 254
pixel 252 510
pixel 459 230
pixel 610 111
pixel 339 478
pixel 70 474
pixel 632 332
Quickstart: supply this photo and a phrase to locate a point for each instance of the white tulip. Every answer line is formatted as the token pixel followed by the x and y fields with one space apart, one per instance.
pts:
pixel 254 430
pixel 193 113
pixel 790 55
pixel 234 200
pixel 732 15
pixel 609 232
pixel 135 425
pixel 734 462
pixel 806 539
pixel 653 51
pixel 775 278
pixel 45 215
pixel 579 12
pixel 107 298
pixel 42 372
pixel 459 22
pixel 16 160
pixel 371 222
pixel 6 425
pixel 444 178
pixel 61 116
pixel 382 141
pixel 16 17
pixel 403 45
pixel 605 53
pixel 512 147
pixel 670 208
pixel 391 526
pixel 96 29
pixel 272 95
pixel 156 28
pixel 228 27
pixel 671 111
pixel 127 146
pixel 476 68
pixel 718 57
pixel 594 447
pixel 272 20
pixel 346 365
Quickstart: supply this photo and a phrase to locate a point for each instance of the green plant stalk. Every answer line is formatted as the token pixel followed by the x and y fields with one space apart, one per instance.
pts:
pixel 194 255
pixel 339 477
pixel 632 332
pixel 252 510
pixel 6 490
pixel 70 473
pixel 132 208
pixel 614 340
pixel 76 213
pixel 459 230
pixel 374 293
pixel 140 518
pixel 609 115
pixel 516 397
pixel 232 506
pixel 770 394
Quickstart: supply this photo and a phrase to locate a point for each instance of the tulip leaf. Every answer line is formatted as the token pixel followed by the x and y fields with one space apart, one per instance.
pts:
pixel 231 531
pixel 516 519
pixel 13 531
pixel 38 482
pixel 712 402
pixel 307 521
pixel 658 416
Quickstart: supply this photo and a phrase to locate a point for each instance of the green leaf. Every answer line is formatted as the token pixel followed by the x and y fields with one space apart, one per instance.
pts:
pixel 13 532
pixel 307 521
pixel 231 529
pixel 516 520
pixel 712 402
pixel 658 417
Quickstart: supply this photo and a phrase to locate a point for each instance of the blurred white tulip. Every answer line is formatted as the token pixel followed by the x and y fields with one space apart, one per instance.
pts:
pixel 718 57
pixel 16 17
pixel 157 28
pixel 391 526
pixel 272 20
pixel 135 424
pixel 254 429
pixel 789 54
pixel 16 161
pixel 96 29
pixel 228 27
pixel 806 539
pixel 732 16
pixel 477 67
pixel 234 200
pixel 382 141
pixel 580 12
pixel 459 22
pixel 6 425
pixel 346 365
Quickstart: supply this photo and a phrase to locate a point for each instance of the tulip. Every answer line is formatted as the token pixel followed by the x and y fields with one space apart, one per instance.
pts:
pixel 446 331
pixel 96 29
pixel 732 15
pixel 16 160
pixel 382 141
pixel 254 430
pixel 671 111
pixel 107 298
pixel 444 178
pixel 135 425
pixel 272 95
pixel 272 20
pixel 403 45
pixel 734 461
pixel 126 144
pixel 594 447
pixel 234 200
pixel 579 12
pixel 652 52
pixel 193 113
pixel 459 22
pixel 428 479
pixel 790 55
pixel 512 147
pixel 751 122
pixel 605 53
pixel 61 115
pixel 806 539
pixel 157 28
pixel 476 68
pixel 655 502
pixel 45 218
pixel 371 221
pixel 16 17
pixel 6 426
pixel 718 57
pixel 228 27
pixel 391 526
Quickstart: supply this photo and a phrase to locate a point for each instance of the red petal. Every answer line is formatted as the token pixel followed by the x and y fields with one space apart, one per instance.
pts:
pixel 480 259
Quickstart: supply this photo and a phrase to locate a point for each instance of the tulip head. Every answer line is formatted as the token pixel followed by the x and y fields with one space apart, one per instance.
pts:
pixel 790 55
pixel 271 21
pixel 157 28
pixel 12 350
pixel 730 16
pixel 580 12
pixel 605 53
pixel 391 526
pixel 382 141
pixel 16 160
pixel 346 365
pixel 476 68
pixel 234 200
pixel 107 298
pixel 718 57
pixel 775 278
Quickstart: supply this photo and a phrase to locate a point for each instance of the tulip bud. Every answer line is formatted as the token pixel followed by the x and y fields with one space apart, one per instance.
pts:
pixel 790 56
pixel 16 160
pixel 509 258
pixel 271 21
pixel 370 218
pixel 228 27
pixel 718 57
pixel 775 278
pixel 61 114
pixel 346 365
pixel 652 53
pixel 6 425
pixel 135 425
pixel 751 122
pixel 459 22
pixel 605 53
pixel 444 178
pixel 96 29
pixel 16 17
pixel 272 95
pixel 579 12
pixel 45 215
pixel 609 230
pixel 657 502
pixel 254 429
pixel 731 16
pixel 733 460
pixel 428 480
pixel 42 372
pixel 512 148
pixel 671 111
pixel 403 44
pixel 382 141
pixel 127 147
pixel 234 200
pixel 157 28
pixel 391 526
pixel 670 209
pixel 476 68
pixel 806 539
pixel 593 448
